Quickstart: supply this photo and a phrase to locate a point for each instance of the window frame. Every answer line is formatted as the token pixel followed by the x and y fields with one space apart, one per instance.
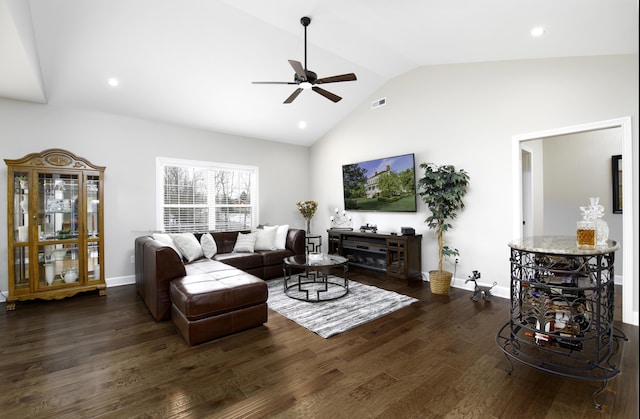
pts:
pixel 162 162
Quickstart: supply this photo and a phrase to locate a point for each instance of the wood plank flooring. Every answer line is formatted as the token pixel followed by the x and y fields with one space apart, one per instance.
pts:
pixel 91 356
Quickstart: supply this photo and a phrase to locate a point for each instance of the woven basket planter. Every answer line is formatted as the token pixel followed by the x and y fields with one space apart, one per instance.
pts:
pixel 440 282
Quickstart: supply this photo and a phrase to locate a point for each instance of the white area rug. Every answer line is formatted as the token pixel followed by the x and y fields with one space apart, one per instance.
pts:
pixel 362 304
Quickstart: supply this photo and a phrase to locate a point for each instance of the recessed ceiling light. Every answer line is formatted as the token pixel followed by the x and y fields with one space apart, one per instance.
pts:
pixel 302 124
pixel 538 31
pixel 113 82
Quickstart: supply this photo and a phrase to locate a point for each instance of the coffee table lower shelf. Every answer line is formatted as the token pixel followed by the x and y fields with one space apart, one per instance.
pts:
pixel 316 282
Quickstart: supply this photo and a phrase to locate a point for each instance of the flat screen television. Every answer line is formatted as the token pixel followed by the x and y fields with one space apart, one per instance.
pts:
pixel 387 184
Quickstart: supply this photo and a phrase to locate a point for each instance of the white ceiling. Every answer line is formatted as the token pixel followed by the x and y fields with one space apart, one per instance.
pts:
pixel 191 62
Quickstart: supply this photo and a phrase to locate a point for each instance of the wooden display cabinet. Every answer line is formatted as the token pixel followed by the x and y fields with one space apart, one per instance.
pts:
pixel 55 226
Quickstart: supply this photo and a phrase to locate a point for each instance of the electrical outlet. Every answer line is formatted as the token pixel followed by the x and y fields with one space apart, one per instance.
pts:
pixel 457 259
pixel 133 259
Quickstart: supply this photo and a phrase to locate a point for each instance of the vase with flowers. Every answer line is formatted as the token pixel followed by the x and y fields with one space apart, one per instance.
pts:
pixel 307 209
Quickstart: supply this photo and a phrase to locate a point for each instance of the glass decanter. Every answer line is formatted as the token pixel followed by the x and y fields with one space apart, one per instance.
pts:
pixel 592 230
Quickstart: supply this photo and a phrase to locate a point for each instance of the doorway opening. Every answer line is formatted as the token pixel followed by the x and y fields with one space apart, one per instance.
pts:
pixel 629 289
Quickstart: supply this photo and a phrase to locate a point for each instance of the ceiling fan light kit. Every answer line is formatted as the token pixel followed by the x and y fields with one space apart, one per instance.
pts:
pixel 305 78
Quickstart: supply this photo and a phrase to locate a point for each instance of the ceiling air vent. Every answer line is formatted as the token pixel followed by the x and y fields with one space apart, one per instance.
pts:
pixel 377 103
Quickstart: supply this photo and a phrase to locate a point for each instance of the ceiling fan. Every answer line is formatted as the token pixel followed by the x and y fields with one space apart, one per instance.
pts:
pixel 305 78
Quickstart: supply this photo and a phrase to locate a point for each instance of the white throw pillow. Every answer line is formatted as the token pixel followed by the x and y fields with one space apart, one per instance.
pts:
pixel 188 245
pixel 265 239
pixel 209 246
pixel 166 239
pixel 245 243
pixel 281 236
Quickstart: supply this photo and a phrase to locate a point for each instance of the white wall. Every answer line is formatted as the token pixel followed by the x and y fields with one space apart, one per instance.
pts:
pixel 466 115
pixel 569 182
pixel 128 148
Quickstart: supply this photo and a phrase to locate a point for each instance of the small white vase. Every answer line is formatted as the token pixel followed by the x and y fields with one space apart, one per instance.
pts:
pixel 49 273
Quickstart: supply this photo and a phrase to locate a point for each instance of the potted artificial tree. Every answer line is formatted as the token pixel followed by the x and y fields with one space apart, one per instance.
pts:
pixel 442 189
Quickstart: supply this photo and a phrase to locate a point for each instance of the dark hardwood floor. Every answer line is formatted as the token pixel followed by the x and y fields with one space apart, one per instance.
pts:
pixel 91 356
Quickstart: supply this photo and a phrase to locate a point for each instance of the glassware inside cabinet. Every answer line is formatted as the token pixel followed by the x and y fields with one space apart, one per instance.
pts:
pixel 58 264
pixel 57 206
pixel 93 203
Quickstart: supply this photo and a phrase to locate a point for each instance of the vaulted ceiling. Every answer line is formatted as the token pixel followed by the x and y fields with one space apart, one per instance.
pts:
pixel 192 62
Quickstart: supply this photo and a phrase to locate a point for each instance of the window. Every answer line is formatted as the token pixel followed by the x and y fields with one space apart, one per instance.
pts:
pixel 198 196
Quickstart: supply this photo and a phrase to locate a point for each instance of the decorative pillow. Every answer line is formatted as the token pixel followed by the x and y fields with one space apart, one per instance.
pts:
pixel 188 246
pixel 166 239
pixel 209 246
pixel 281 236
pixel 245 243
pixel 265 239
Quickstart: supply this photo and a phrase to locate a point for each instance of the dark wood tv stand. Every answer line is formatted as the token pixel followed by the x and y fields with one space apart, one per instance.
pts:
pixel 396 255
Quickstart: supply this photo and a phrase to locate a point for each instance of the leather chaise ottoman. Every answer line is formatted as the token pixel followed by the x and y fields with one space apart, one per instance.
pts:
pixel 205 307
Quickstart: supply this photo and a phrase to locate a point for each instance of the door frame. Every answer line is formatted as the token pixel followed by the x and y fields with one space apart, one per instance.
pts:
pixel 629 289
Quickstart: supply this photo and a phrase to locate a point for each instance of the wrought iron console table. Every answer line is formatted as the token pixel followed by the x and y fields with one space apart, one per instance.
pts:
pixel 561 312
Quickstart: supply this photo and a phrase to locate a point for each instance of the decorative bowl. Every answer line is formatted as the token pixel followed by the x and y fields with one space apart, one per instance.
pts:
pixel 59 254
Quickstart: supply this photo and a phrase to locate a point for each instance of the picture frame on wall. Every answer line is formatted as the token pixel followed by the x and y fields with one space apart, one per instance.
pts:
pixel 616 175
pixel 386 184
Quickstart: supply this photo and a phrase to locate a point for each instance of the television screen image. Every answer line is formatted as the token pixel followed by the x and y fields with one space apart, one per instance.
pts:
pixel 387 184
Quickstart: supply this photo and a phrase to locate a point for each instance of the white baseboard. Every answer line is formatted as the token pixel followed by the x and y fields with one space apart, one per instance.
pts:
pixel 120 280
pixel 496 291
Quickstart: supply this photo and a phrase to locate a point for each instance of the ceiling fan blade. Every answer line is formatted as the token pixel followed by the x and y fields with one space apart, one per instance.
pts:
pixel 293 95
pixel 334 79
pixel 328 95
pixel 273 82
pixel 297 67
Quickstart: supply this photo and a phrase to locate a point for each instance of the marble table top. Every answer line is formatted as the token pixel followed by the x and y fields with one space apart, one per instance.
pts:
pixel 560 245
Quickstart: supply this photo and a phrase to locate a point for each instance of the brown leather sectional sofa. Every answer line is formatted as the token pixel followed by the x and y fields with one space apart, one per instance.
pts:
pixel 209 298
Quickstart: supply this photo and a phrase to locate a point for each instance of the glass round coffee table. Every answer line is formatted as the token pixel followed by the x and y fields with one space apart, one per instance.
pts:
pixel 310 278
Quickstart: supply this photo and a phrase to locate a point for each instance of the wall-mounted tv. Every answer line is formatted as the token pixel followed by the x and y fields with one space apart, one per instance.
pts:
pixel 387 184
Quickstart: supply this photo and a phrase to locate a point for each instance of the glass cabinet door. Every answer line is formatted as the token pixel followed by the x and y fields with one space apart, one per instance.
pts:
pixel 93 258
pixel 93 193
pixel 57 206
pixel 21 269
pixel 93 203
pixel 58 229
pixel 20 216
pixel 21 207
